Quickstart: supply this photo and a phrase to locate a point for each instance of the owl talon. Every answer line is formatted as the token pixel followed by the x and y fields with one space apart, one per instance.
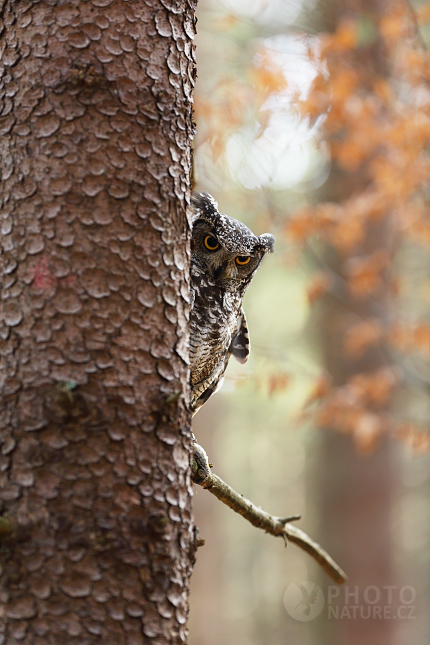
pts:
pixel 200 466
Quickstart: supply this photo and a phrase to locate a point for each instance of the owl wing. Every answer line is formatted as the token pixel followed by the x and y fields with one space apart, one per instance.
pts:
pixel 240 345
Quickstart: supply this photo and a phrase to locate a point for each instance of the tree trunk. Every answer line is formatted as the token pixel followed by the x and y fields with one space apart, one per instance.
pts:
pixel 355 492
pixel 95 127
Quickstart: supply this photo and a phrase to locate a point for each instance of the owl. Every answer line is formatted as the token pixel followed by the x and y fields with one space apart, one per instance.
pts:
pixel 225 257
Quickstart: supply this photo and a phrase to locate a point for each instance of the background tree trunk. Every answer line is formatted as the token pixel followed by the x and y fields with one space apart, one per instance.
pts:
pixel 356 493
pixel 95 131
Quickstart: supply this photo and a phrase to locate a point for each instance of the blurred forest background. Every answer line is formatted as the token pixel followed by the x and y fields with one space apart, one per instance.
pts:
pixel 314 124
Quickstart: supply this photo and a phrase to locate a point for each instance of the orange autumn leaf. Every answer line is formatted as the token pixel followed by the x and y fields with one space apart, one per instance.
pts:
pixel 350 154
pixel 346 232
pixel 421 337
pixel 365 274
pixel 416 438
pixel 383 90
pixel 367 432
pixel 278 383
pixel 320 390
pixel 373 388
pixel 343 85
pixel 344 38
pixel 318 100
pixel 267 75
pixel 339 412
pixel 395 25
pixel 413 337
pixel 302 225
pixel 361 336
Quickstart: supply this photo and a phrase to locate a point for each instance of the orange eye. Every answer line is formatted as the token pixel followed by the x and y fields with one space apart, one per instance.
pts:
pixel 242 259
pixel 211 243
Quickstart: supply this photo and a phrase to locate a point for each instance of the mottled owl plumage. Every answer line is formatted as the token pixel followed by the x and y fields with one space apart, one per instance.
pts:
pixel 225 257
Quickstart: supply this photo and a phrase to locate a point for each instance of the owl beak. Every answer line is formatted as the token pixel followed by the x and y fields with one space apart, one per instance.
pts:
pixel 219 274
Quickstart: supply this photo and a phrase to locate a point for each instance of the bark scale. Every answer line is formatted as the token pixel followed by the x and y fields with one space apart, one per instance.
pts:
pixel 95 125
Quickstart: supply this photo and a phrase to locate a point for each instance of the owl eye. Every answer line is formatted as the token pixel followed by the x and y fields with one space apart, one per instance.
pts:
pixel 242 259
pixel 211 243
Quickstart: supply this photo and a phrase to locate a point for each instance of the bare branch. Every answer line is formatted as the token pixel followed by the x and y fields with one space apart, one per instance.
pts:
pixel 277 526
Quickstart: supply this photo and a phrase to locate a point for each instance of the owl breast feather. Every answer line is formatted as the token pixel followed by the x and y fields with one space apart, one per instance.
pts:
pixel 214 321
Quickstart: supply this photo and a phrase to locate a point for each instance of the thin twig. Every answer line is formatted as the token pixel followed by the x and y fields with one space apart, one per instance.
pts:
pixel 277 526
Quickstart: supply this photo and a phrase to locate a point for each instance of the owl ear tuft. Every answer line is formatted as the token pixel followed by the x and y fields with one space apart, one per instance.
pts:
pixel 267 242
pixel 204 207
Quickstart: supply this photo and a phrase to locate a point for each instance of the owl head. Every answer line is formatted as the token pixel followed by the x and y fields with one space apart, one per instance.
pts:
pixel 223 247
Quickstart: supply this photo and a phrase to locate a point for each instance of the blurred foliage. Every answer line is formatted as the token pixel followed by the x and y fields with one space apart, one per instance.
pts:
pixel 284 109
pixel 321 139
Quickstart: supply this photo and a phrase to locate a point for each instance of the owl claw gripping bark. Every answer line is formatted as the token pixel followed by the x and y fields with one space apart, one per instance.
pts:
pixel 225 258
pixel 200 466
